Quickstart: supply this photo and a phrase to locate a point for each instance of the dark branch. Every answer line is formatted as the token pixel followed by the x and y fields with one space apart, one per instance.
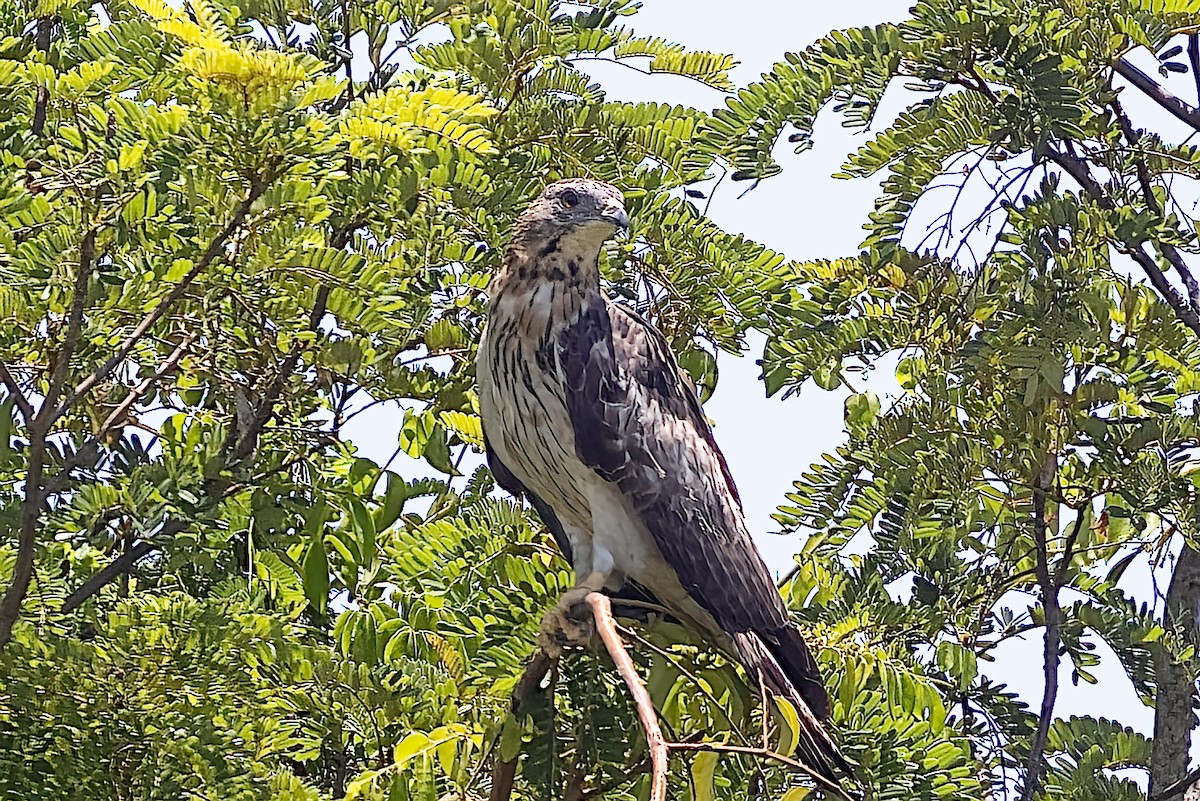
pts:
pixel 1155 91
pixel 1052 614
pixel 14 389
pixel 504 773
pixel 101 579
pixel 62 365
pixel 117 416
pixel 117 567
pixel 1178 787
pixel 1169 251
pixel 1079 171
pixel 31 507
pixel 44 27
pixel 248 439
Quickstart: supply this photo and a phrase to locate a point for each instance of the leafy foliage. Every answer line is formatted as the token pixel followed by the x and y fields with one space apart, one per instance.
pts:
pixel 227 232
pixel 1038 442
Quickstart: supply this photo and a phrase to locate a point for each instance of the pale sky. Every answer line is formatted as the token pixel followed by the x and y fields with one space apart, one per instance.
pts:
pixel 805 214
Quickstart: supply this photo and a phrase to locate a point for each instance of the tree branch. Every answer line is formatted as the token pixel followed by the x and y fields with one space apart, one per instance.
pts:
pixel 1176 690
pixel 14 389
pixel 1178 787
pixel 62 364
pixel 1078 170
pixel 764 753
pixel 31 507
pixel 168 366
pixel 606 627
pixel 1156 92
pixel 45 26
pixel 504 773
pixel 120 566
pixel 117 567
pixel 247 441
pixel 1052 613
pixel 214 249
pixel 1169 251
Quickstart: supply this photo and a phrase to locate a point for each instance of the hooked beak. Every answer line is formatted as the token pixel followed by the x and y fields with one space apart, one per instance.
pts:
pixel 618 217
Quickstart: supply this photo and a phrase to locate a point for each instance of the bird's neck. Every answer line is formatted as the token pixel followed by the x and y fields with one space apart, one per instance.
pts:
pixel 543 287
pixel 567 267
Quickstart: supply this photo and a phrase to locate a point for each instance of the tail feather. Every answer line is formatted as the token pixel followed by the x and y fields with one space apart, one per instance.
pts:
pixel 791 652
pixel 816 749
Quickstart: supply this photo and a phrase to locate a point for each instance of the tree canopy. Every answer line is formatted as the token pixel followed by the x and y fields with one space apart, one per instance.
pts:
pixel 226 232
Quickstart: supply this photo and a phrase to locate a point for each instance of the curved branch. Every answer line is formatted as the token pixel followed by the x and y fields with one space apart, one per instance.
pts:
pixel 606 627
pixel 505 771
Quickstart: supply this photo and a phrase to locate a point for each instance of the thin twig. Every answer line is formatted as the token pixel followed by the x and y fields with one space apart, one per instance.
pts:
pixel 14 389
pixel 215 248
pixel 765 753
pixel 606 627
pixel 118 414
pixel 1052 613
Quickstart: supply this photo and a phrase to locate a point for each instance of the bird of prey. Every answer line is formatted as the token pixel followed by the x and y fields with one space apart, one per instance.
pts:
pixel 587 414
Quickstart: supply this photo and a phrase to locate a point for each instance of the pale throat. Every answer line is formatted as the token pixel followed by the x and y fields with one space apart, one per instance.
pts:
pixel 565 265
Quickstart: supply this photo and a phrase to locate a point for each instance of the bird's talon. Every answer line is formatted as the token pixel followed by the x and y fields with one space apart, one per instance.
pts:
pixel 569 623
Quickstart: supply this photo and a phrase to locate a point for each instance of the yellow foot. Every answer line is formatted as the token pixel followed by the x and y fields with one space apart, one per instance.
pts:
pixel 568 623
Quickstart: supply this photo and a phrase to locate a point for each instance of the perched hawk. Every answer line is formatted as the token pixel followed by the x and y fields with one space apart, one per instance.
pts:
pixel 588 415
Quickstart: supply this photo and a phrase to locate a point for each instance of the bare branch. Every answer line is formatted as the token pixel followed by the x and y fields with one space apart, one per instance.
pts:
pixel 14 389
pixel 1156 92
pixel 44 27
pixel 606 627
pixel 504 773
pixel 168 366
pixel 1052 614
pixel 31 507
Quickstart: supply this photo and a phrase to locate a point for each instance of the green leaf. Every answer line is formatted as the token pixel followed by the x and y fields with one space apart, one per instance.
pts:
pixel 316 573
pixel 789 727
pixel 862 410
pixel 510 738
pixel 828 376
pixel 703 766
pixel 959 662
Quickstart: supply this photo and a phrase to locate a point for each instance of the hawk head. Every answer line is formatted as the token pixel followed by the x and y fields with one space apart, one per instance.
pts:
pixel 578 211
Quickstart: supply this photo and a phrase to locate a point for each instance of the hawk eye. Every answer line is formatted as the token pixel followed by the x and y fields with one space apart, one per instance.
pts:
pixel 569 199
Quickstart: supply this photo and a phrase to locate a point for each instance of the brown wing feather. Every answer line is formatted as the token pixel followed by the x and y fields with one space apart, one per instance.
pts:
pixel 640 426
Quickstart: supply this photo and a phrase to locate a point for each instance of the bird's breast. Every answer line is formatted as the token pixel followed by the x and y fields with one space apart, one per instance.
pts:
pixel 522 403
